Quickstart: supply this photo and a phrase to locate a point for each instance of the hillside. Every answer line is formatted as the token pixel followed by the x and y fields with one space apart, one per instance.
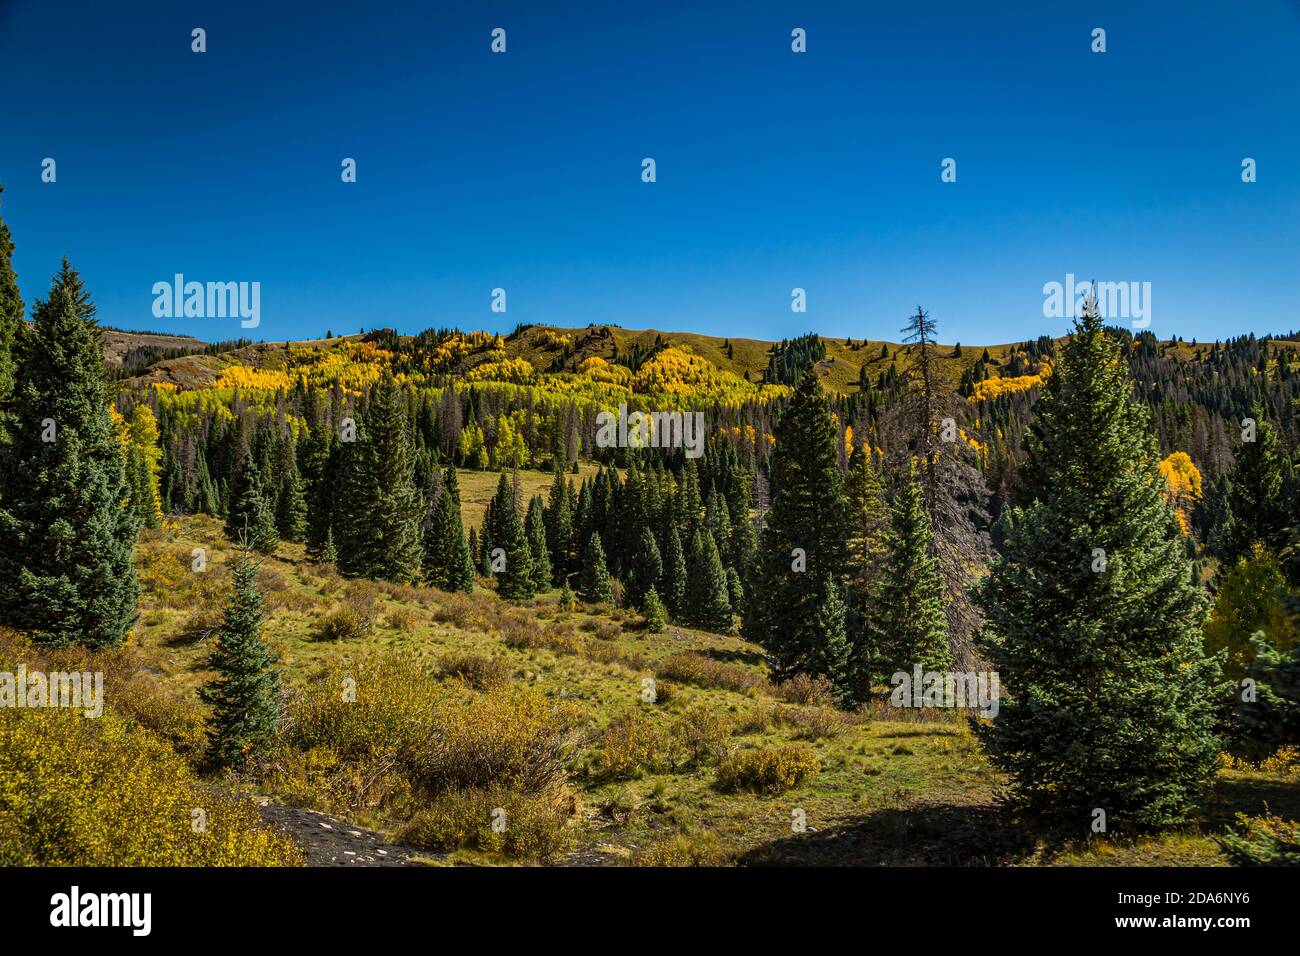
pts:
pixel 888 787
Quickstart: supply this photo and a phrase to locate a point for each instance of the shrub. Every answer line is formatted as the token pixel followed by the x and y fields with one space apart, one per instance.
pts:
pixel 766 769
pixel 345 623
pixel 683 849
pixel 700 735
pixel 1263 841
pixel 100 792
pixel 703 671
pixel 477 670
pixel 402 619
pixel 529 827
pixel 631 745
pixel 407 737
pixel 812 723
pixel 807 690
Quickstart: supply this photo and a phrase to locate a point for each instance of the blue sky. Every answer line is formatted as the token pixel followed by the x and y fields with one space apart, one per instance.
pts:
pixel 775 170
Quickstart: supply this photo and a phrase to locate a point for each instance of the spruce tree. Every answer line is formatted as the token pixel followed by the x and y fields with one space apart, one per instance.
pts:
pixel 674 578
pixel 381 508
pixel 515 581
pixel 559 527
pixel 535 529
pixel 707 602
pixel 803 536
pixel 251 515
pixel 653 610
pixel 458 560
pixel 66 573
pixel 291 507
pixel 594 584
pixel 1256 500
pixel 1093 623
pixel 647 569
pixel 11 323
pixel 245 694
pixel 908 625
pixel 320 473
pixel 832 647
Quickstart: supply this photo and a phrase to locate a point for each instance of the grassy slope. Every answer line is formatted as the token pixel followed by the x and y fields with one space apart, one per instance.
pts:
pixel 889 791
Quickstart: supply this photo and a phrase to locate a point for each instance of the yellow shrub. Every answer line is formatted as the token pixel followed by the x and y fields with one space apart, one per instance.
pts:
pixel 684 849
pixel 99 792
pixel 703 671
pixel 527 827
pixel 631 745
pixel 766 769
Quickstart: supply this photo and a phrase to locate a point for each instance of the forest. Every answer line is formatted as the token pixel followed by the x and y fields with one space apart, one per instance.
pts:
pixel 398 580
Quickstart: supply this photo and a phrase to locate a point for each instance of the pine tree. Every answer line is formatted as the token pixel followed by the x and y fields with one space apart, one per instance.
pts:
pixel 803 536
pixel 535 529
pixel 674 577
pixel 653 610
pixel 459 561
pixel 515 581
pixel 832 647
pixel 647 569
pixel 559 526
pixel 380 508
pixel 245 694
pixel 1093 622
pixel 594 584
pixel 320 473
pixel 66 573
pixel 908 626
pixel 1256 500
pixel 11 323
pixel 707 603
pixel 291 507
pixel 250 515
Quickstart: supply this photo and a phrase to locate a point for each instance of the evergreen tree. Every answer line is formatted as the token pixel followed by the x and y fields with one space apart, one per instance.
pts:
pixel 832 647
pixel 1256 501
pixel 245 694
pixel 380 510
pixel 735 590
pixel 908 625
pixel 250 515
pixel 707 602
pixel 11 323
pixel 559 526
pixel 515 581
pixel 653 609
pixel 66 573
pixel 535 529
pixel 594 584
pixel 674 576
pixel 320 472
pixel 1093 622
pixel 647 569
pixel 459 561
pixel 803 536
pixel 291 506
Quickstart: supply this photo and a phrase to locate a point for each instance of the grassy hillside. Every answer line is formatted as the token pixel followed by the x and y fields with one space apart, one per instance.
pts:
pixel 645 782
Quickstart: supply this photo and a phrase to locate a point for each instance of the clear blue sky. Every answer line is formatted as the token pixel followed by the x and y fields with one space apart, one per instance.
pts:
pixel 775 170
